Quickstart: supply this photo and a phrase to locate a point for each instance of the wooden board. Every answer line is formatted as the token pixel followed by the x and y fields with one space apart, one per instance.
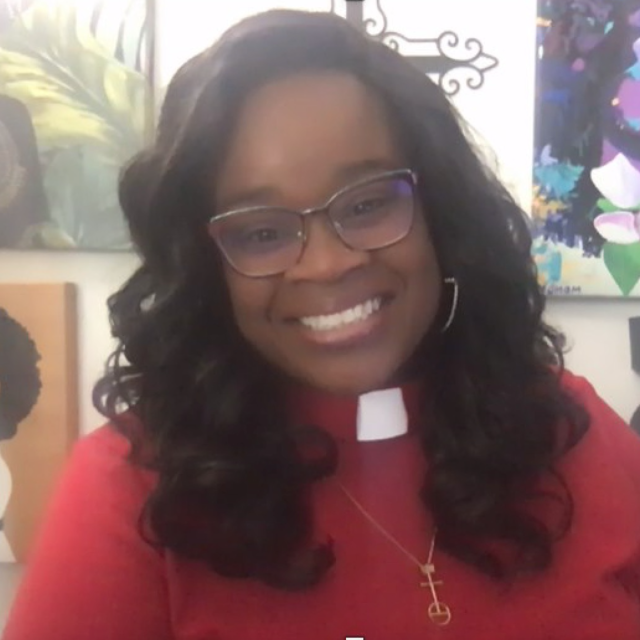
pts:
pixel 35 455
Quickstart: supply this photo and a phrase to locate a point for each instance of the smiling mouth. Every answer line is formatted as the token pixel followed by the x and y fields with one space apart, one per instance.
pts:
pixel 348 317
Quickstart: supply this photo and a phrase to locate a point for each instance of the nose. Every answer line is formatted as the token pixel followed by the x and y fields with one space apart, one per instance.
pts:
pixel 325 258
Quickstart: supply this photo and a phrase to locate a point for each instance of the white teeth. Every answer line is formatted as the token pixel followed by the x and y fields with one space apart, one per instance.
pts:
pixel 349 316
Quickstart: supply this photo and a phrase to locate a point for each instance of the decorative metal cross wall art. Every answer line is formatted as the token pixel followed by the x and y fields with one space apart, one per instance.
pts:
pixel 446 58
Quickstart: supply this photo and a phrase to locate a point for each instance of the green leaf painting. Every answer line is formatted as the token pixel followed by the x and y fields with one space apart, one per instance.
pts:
pixel 90 113
pixel 623 263
pixel 606 206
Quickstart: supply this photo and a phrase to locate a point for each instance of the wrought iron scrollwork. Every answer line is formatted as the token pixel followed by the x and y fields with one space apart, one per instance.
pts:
pixel 446 58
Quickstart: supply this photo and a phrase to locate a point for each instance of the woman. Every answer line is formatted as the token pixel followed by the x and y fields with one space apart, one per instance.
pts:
pixel 335 408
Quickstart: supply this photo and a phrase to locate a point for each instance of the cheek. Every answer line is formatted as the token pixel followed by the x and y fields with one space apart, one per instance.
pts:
pixel 251 300
pixel 424 280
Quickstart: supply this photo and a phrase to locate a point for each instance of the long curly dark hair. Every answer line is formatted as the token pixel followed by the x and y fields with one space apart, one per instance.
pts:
pixel 208 411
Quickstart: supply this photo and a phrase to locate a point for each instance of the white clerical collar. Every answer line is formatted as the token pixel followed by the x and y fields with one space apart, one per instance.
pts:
pixel 381 415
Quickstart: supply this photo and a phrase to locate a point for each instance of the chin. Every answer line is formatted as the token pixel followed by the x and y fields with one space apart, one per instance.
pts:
pixel 350 383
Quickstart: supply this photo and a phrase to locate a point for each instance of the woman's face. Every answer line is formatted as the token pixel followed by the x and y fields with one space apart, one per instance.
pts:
pixel 298 141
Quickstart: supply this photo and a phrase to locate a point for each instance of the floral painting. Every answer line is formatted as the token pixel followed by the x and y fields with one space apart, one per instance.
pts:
pixel 586 199
pixel 75 105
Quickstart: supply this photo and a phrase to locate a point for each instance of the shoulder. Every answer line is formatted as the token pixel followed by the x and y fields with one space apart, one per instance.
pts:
pixel 91 573
pixel 104 449
pixel 95 508
pixel 604 421
pixel 100 477
pixel 105 444
pixel 610 447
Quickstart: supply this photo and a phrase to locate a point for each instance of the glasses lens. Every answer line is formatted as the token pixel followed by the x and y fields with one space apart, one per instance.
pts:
pixel 259 242
pixel 376 214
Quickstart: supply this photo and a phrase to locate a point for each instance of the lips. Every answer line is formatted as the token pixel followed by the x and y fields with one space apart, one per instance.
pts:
pixel 355 326
pixel 357 313
pixel 330 305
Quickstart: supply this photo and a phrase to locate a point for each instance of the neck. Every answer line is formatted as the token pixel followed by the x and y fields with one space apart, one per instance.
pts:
pixel 376 415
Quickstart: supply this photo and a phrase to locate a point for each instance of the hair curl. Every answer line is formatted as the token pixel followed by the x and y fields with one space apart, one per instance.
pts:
pixel 232 484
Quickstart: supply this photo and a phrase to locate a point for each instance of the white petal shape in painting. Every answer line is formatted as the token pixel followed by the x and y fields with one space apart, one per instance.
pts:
pixel 619 182
pixel 619 227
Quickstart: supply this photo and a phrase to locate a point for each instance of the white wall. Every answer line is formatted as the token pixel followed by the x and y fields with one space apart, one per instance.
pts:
pixel 502 113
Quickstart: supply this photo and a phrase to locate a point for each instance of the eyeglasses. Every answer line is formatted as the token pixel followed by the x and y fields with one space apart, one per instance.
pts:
pixel 371 214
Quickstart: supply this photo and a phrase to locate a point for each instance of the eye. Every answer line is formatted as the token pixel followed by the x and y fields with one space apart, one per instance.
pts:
pixel 263 239
pixel 370 205
pixel 261 236
pixel 260 232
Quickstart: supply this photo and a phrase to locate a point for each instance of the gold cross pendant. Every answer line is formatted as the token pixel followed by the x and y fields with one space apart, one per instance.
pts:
pixel 439 612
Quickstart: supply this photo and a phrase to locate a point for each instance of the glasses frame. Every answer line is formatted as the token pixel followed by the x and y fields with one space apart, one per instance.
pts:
pixel 408 174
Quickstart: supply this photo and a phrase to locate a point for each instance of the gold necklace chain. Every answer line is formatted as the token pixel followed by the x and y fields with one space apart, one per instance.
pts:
pixel 439 612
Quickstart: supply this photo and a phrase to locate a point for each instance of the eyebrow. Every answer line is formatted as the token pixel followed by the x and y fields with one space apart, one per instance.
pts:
pixel 345 174
pixel 365 168
pixel 249 198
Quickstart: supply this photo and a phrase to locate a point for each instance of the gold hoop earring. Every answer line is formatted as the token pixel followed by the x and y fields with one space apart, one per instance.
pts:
pixel 454 303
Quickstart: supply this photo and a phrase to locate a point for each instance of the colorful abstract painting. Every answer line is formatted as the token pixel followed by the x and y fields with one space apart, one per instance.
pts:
pixel 586 200
pixel 75 105
pixel 38 405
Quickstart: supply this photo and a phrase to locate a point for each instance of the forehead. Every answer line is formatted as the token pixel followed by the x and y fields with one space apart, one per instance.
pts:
pixel 306 134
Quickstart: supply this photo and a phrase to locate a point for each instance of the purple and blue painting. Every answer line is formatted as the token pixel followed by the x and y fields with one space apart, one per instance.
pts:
pixel 586 188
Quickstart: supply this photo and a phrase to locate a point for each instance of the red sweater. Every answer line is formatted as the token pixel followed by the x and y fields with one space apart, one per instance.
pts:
pixel 92 578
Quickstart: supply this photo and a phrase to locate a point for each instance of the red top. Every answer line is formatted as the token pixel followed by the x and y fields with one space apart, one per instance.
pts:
pixel 92 578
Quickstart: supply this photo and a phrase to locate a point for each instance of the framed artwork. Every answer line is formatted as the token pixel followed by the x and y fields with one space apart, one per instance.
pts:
pixel 75 104
pixel 586 187
pixel 38 405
